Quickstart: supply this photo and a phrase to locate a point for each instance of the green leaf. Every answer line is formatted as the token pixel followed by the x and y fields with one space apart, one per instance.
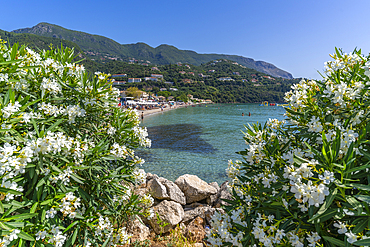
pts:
pixel 14 192
pixel 25 236
pixel 34 207
pixel 5 226
pixel 75 235
pixel 105 243
pixel 360 226
pixel 46 202
pixel 51 128
pixel 357 168
pixel 334 241
pixel 1 208
pixel 21 216
pixel 70 226
pixel 363 198
pixel 363 242
pixel 360 186
pixel 78 180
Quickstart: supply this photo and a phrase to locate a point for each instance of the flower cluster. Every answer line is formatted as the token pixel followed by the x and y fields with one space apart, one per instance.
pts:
pixel 142 134
pixel 303 181
pixel 65 149
pixel 70 204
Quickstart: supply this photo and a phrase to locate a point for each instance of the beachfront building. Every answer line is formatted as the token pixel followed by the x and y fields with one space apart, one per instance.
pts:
pixel 134 80
pixel 161 98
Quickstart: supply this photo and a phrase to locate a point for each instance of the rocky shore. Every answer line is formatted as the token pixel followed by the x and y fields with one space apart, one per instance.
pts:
pixel 189 203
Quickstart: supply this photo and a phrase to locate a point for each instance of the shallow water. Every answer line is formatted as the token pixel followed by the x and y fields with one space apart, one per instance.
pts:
pixel 200 140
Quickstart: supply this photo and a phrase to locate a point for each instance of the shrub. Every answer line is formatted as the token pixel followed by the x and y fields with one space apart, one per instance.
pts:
pixel 304 181
pixel 67 153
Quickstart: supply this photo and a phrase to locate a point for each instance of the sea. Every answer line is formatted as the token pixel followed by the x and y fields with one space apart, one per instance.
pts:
pixel 200 140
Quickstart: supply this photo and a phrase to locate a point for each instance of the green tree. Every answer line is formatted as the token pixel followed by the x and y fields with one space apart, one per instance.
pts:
pixel 133 92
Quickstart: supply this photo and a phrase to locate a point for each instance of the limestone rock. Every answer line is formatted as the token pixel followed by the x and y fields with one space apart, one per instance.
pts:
pixel 197 245
pixel 169 212
pixel 192 213
pixel 215 185
pixel 195 230
pixel 194 188
pixel 163 189
pixel 223 194
pixel 138 230
pixel 157 189
pixel 173 191
pixel 150 176
pixel 211 200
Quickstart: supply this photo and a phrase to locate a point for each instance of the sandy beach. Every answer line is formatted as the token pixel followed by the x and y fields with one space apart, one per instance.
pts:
pixel 158 110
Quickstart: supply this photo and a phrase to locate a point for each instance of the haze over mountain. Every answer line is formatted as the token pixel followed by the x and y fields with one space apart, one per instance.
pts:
pixel 104 49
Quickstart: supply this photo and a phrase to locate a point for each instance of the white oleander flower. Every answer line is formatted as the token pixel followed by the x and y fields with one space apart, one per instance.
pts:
pixel 10 109
pixel 351 238
pixel 342 227
pixel 40 235
pixel 327 178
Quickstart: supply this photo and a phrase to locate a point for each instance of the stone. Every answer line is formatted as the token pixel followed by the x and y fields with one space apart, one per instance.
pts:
pixel 194 188
pixel 223 194
pixel 215 185
pixel 173 191
pixel 170 213
pixel 195 230
pixel 198 245
pixel 163 189
pixel 192 213
pixel 211 200
pixel 150 176
pixel 138 230
pixel 157 189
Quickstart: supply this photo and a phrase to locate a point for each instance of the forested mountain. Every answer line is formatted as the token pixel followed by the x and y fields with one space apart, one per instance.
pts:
pixel 103 49
pixel 220 80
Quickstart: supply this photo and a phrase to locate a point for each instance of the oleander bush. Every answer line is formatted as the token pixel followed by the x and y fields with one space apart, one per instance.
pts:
pixel 305 181
pixel 67 159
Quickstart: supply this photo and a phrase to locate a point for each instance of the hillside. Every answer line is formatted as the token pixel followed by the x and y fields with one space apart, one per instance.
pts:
pixel 221 81
pixel 37 42
pixel 100 48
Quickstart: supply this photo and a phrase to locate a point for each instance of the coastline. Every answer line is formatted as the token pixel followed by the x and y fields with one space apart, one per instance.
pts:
pixel 159 110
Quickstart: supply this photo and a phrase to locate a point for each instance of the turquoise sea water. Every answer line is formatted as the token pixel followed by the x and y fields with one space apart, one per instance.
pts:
pixel 200 140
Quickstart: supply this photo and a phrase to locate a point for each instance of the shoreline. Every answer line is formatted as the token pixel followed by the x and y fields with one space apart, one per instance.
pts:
pixel 159 110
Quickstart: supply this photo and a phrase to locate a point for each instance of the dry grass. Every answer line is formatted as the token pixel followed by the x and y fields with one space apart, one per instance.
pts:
pixel 175 238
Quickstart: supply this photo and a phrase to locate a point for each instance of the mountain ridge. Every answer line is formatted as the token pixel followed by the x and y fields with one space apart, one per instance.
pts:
pixel 104 49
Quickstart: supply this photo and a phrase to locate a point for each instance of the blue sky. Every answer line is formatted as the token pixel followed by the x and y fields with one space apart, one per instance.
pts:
pixel 295 35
